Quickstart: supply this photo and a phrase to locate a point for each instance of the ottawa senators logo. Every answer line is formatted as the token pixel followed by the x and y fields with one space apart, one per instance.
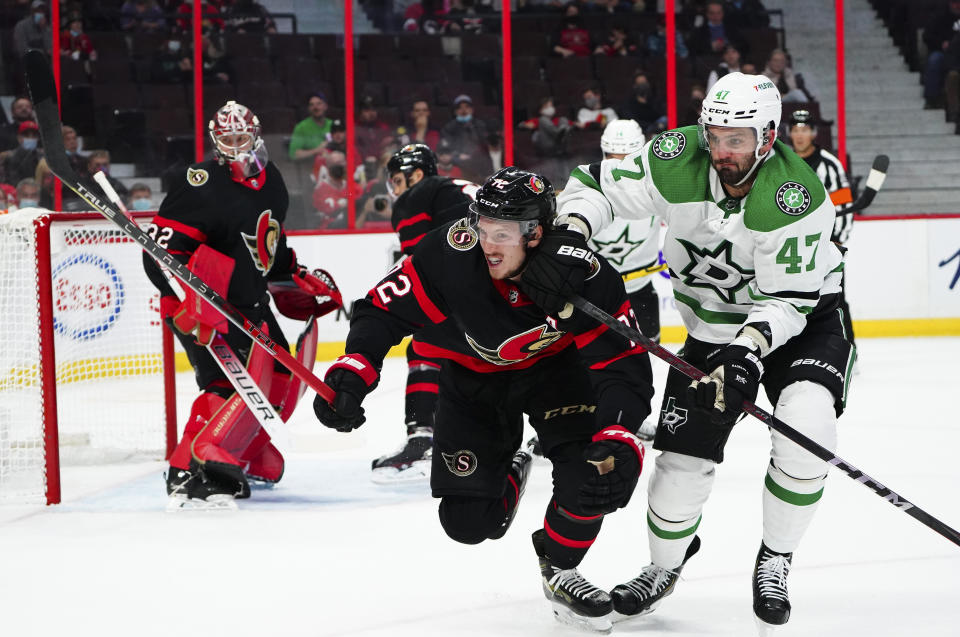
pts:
pixel 197 176
pixel 461 236
pixel 518 348
pixel 535 185
pixel 263 244
pixel 460 463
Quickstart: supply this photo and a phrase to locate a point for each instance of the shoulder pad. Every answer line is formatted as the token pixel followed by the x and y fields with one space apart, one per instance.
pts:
pixel 785 191
pixel 679 168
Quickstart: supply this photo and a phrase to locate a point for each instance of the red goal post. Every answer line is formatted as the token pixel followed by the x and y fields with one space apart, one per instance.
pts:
pixel 87 367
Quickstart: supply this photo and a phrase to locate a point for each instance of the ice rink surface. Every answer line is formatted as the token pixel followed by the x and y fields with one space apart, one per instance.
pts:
pixel 327 552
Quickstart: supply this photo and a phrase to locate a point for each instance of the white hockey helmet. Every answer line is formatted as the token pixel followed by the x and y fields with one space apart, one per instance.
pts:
pixel 235 132
pixel 622 137
pixel 741 101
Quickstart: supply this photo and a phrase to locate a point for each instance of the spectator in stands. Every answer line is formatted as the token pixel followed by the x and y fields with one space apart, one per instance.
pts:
pixel 33 31
pixel 210 18
pixel 643 107
pixel 463 17
pixel 248 16
pixel 611 7
pixel 170 64
pixel 550 136
pixel 617 44
pixel 99 161
pixel 656 44
pixel 330 193
pixel 940 28
pixel 375 207
pixel 28 193
pixel 338 136
pixel 22 111
pixel 730 63
pixel 445 165
pixel 310 135
pixel 495 150
pixel 142 16
pixel 215 66
pixel 790 84
pixel 76 44
pixel 715 32
pixel 747 14
pixel 748 68
pixel 370 130
pixel 22 161
pixel 141 197
pixel 593 114
pixel 571 38
pixel 418 129
pixel 692 115
pixel 467 135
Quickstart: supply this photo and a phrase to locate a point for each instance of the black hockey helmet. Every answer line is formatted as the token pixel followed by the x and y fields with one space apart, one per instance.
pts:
pixel 512 194
pixel 803 117
pixel 411 157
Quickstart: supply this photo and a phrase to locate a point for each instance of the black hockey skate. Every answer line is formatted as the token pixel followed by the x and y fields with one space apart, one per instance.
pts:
pixel 771 604
pixel 216 485
pixel 520 470
pixel 411 463
pixel 575 600
pixel 643 593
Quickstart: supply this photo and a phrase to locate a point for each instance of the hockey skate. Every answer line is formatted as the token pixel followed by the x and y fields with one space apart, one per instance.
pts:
pixel 771 604
pixel 641 595
pixel 520 471
pixel 648 430
pixel 411 463
pixel 197 489
pixel 575 601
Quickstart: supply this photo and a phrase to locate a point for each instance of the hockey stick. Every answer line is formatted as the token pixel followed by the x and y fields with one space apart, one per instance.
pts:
pixel 878 172
pixel 771 421
pixel 231 365
pixel 44 95
pixel 636 274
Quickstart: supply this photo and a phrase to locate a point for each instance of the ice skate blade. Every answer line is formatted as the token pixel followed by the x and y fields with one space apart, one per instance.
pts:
pixel 617 617
pixel 565 615
pixel 419 471
pixel 764 629
pixel 220 502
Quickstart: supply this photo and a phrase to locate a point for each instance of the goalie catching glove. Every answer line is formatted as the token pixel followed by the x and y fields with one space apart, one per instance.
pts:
pixel 618 456
pixel 735 378
pixel 307 294
pixel 352 377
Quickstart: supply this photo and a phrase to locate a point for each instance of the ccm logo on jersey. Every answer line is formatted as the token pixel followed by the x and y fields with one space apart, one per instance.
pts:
pixel 576 253
pixel 830 369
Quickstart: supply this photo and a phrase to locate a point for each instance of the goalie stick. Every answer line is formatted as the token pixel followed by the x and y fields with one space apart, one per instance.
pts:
pixel 878 172
pixel 231 365
pixel 43 91
pixel 771 421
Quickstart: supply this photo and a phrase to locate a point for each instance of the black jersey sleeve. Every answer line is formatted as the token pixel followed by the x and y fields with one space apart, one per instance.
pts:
pixel 619 369
pixel 405 300
pixel 452 201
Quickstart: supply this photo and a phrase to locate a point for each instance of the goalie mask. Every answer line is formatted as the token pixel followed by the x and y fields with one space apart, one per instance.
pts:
pixel 235 132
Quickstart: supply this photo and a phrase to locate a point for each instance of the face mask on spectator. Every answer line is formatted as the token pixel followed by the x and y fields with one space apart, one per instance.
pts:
pixel 337 171
pixel 74 33
pixel 38 18
pixel 592 102
pixel 29 143
pixel 141 203
pixel 641 90
pixel 465 118
pixel 173 45
pixel 28 203
pixel 548 111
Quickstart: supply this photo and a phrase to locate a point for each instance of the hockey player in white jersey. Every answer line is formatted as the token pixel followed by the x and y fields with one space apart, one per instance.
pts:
pixel 756 279
pixel 632 246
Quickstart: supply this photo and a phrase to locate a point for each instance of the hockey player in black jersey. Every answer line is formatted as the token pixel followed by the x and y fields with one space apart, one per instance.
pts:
pixel 424 201
pixel 803 135
pixel 585 392
pixel 224 219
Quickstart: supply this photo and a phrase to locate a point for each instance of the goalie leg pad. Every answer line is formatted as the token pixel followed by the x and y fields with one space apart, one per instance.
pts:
pixel 267 466
pixel 204 407
pixel 294 388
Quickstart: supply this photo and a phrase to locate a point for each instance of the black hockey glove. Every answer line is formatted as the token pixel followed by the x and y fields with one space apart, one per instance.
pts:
pixel 557 269
pixel 618 456
pixel 352 377
pixel 736 374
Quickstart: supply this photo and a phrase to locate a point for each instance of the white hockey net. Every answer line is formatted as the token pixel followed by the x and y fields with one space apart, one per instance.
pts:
pixel 107 345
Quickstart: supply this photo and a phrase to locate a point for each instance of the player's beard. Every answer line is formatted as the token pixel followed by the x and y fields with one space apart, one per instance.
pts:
pixel 730 172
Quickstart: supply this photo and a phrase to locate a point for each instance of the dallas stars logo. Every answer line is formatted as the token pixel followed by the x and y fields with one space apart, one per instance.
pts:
pixel 668 145
pixel 672 416
pixel 793 198
pixel 714 270
pixel 619 249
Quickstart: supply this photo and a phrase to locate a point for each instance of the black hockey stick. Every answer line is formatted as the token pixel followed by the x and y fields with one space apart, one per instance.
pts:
pixel 44 94
pixel 878 172
pixel 774 423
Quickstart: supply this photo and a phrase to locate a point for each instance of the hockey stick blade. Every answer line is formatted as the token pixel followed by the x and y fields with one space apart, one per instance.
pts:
pixel 878 173
pixel 44 95
pixel 771 421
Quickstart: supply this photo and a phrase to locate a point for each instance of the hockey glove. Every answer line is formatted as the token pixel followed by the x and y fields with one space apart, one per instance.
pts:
pixel 736 374
pixel 352 377
pixel 557 269
pixel 195 316
pixel 618 456
pixel 307 294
